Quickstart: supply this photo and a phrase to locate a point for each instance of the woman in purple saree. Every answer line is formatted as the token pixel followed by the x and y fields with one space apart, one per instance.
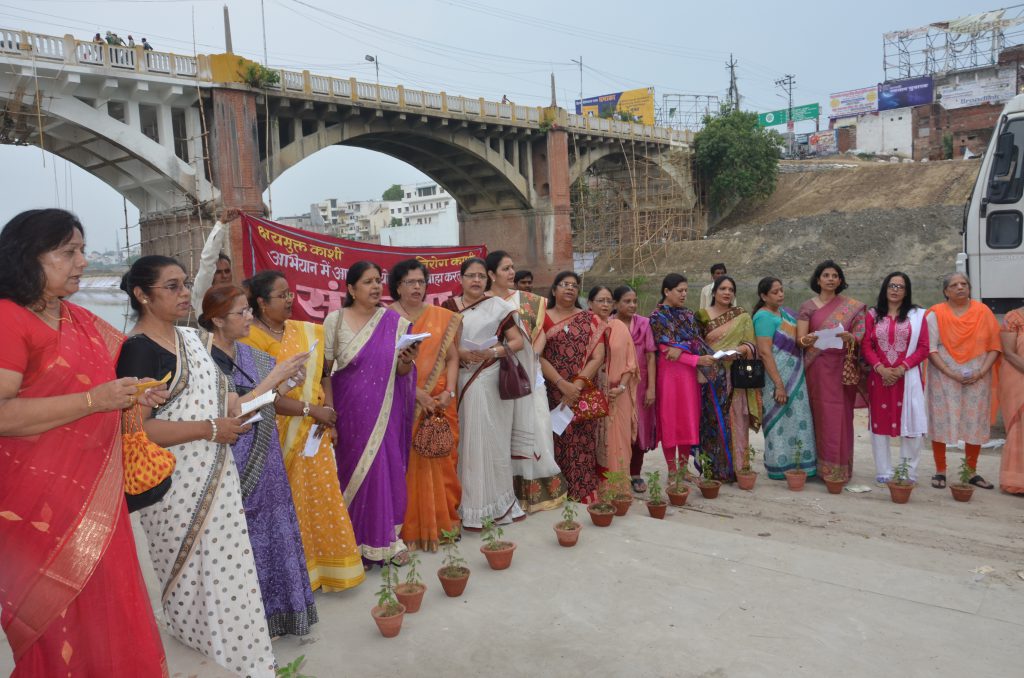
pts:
pixel 832 402
pixel 374 387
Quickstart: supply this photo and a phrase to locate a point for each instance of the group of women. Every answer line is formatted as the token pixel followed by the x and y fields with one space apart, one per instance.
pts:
pixel 305 453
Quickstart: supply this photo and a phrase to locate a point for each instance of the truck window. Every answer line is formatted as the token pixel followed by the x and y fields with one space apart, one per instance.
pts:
pixel 1006 183
pixel 1004 230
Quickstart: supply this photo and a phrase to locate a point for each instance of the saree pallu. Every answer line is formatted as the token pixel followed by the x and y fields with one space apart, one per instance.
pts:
pixel 536 478
pixel 332 556
pixel 570 343
pixel 198 539
pixel 74 602
pixel 620 424
pixel 646 417
pixel 731 330
pixel 374 431
pixel 788 428
pixel 1011 398
pixel 832 402
pixel 269 511
pixel 433 483
pixel 485 442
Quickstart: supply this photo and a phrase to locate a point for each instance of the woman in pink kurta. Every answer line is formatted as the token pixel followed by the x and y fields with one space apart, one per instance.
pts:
pixel 646 354
pixel 895 344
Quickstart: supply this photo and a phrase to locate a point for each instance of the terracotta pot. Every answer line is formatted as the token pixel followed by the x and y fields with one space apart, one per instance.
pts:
pixel 622 505
pixel 678 497
pixel 501 557
pixel 454 586
pixel 410 595
pixel 795 479
pixel 600 518
pixel 389 626
pixel 834 486
pixel 900 493
pixel 568 537
pixel 709 488
pixel 657 510
pixel 746 479
pixel 961 492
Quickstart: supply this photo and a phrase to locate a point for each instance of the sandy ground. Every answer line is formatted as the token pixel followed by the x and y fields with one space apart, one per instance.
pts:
pixel 762 583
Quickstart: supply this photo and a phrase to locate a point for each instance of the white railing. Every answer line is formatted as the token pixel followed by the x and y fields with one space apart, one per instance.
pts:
pixel 320 84
pixel 157 62
pixel 432 100
pixel 388 94
pixel 122 57
pixel 90 53
pixel 341 88
pixel 366 90
pixel 413 97
pixel 9 40
pixel 46 46
pixel 185 65
pixel 292 80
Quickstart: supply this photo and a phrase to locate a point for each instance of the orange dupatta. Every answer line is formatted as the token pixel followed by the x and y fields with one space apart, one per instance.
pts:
pixel 970 335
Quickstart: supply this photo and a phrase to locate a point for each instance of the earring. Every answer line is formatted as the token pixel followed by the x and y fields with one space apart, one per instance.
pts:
pixel 145 301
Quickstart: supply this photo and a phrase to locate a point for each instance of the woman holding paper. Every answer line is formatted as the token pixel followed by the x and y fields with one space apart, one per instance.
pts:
pixel 269 511
pixel 573 353
pixel 198 539
pixel 895 345
pixel 489 331
pixel 432 482
pixel 332 555
pixel 727 327
pixel 690 386
pixel 964 349
pixel 538 482
pixel 832 402
pixel 375 378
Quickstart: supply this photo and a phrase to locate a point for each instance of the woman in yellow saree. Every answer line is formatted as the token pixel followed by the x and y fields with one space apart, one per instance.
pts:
pixel 332 556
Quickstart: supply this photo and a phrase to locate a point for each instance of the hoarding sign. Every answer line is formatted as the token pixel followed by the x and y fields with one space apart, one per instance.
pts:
pixel 637 103
pixel 854 102
pixel 805 112
pixel 990 90
pixel 823 143
pixel 904 93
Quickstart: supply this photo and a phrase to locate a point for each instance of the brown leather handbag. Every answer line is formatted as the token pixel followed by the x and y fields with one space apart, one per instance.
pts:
pixel 592 403
pixel 851 366
pixel 434 437
pixel 513 382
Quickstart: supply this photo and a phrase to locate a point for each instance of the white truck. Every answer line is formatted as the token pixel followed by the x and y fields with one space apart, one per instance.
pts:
pixel 993 228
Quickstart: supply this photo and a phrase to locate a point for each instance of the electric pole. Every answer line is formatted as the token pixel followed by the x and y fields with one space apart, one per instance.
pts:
pixel 580 63
pixel 786 83
pixel 733 98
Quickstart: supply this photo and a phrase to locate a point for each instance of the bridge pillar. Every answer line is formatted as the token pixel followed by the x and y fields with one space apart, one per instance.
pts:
pixel 538 238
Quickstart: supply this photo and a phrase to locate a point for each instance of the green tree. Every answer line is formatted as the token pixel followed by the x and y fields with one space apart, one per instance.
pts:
pixel 393 193
pixel 736 158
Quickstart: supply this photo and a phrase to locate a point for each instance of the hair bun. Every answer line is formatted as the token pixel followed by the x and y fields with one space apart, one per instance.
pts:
pixel 124 281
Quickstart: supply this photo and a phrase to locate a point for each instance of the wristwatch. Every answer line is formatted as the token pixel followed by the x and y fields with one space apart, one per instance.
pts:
pixel 305 409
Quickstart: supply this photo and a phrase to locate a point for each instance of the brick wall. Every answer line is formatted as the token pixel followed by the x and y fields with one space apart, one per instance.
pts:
pixel 971 128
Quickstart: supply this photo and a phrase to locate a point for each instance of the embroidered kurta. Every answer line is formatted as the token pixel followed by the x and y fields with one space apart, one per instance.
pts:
pixel 887 343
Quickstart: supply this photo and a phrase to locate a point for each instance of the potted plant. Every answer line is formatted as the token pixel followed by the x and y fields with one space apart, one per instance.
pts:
pixel 454 574
pixel 796 477
pixel 835 480
pixel 655 501
pixel 388 613
pixel 709 487
pixel 677 490
pixel 498 552
pixel 746 476
pixel 622 497
pixel 963 490
pixel 568 530
pixel 900 486
pixel 411 592
pixel 602 512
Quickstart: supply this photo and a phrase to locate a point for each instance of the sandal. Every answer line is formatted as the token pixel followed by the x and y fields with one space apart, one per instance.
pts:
pixel 978 481
pixel 639 486
pixel 939 480
pixel 400 559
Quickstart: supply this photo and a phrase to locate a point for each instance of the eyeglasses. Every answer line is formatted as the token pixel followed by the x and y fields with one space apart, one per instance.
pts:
pixel 283 295
pixel 568 286
pixel 175 287
pixel 475 276
pixel 896 287
pixel 415 283
pixel 245 313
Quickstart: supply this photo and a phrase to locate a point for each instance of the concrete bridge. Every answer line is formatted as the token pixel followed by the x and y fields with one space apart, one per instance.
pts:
pixel 180 136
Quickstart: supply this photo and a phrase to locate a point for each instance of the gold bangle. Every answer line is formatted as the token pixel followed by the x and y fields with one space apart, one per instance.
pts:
pixel 88 400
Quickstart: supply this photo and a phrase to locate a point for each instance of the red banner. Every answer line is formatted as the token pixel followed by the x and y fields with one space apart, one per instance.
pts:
pixel 316 264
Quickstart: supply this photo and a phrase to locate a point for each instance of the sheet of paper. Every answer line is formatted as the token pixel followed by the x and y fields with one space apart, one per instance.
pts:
pixel 718 355
pixel 312 443
pixel 407 340
pixel 829 338
pixel 479 345
pixel 539 384
pixel 253 419
pixel 257 403
pixel 561 417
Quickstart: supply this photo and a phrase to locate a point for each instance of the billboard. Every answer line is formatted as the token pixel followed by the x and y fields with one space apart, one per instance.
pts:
pixel 805 112
pixel 638 104
pixel 904 93
pixel 823 143
pixel 854 102
pixel 989 90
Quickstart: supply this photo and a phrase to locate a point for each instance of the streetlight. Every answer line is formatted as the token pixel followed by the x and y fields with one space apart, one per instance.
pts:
pixel 376 66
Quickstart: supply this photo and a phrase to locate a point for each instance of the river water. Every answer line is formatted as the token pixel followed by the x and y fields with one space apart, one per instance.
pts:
pixel 102 296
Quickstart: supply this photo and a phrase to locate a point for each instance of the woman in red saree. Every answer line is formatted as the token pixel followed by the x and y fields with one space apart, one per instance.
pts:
pixel 74 603
pixel 832 403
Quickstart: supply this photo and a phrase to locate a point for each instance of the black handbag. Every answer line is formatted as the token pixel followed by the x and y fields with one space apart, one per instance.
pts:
pixel 513 382
pixel 747 373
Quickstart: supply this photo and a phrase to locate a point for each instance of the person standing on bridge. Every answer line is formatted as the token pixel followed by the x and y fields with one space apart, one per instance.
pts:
pixel 146 45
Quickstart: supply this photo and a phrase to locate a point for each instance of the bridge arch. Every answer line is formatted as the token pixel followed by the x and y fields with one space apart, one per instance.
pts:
pixel 663 165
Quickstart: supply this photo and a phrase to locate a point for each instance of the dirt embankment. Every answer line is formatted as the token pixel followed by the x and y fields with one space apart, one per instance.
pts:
pixel 873 218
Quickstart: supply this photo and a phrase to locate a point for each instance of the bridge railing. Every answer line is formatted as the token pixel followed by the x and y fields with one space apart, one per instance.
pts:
pixel 69 50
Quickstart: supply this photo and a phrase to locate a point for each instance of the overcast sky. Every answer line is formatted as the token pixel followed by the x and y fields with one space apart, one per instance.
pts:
pixel 478 48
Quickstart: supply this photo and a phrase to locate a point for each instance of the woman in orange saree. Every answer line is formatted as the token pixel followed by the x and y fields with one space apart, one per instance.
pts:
pixel 332 556
pixel 1011 398
pixel 74 603
pixel 432 483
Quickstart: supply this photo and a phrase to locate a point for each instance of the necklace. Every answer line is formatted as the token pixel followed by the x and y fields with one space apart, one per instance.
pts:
pixel 408 315
pixel 270 329
pixel 55 318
